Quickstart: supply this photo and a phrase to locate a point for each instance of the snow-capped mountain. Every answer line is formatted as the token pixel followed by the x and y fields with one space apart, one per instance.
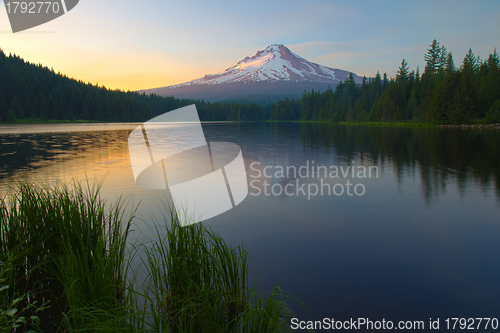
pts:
pixel 275 72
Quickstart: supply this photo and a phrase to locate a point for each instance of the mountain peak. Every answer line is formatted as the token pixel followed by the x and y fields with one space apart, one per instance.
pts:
pixel 274 66
pixel 272 46
pixel 274 63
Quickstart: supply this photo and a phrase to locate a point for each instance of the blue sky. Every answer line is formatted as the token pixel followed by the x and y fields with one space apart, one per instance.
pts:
pixel 144 44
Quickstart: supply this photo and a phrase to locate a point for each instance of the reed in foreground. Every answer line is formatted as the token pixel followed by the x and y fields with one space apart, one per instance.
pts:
pixel 66 268
pixel 199 283
pixel 70 249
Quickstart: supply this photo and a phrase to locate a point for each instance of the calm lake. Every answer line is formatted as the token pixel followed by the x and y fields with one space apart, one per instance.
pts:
pixel 418 238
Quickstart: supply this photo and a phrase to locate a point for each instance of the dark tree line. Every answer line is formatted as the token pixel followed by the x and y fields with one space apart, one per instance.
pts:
pixel 443 94
pixel 29 91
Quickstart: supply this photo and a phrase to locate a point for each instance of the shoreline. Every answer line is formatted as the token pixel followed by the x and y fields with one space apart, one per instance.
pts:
pixel 489 126
pixel 407 124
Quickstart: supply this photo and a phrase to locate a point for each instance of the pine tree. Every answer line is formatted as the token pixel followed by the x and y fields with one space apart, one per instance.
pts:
pixel 432 58
pixel 464 103
pixel 493 61
pixel 442 60
pixel 402 74
pixel 351 90
pixel 387 108
pixel 377 83
pixel 470 63
pixel 449 65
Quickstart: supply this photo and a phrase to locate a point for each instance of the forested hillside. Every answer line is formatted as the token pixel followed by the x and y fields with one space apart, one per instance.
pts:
pixel 443 94
pixel 29 91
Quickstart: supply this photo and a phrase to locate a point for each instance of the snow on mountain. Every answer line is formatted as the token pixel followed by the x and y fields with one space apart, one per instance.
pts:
pixel 276 68
pixel 275 63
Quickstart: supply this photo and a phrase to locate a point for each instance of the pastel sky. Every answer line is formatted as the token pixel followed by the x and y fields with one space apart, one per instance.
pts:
pixel 134 45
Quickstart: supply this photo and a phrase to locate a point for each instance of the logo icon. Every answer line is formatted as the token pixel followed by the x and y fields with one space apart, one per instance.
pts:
pixel 24 15
pixel 170 152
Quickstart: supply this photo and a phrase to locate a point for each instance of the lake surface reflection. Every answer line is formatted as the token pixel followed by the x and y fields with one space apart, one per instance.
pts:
pixel 420 242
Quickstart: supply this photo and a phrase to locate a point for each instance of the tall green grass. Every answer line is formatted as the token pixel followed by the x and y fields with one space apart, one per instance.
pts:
pixel 200 283
pixel 70 247
pixel 66 247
